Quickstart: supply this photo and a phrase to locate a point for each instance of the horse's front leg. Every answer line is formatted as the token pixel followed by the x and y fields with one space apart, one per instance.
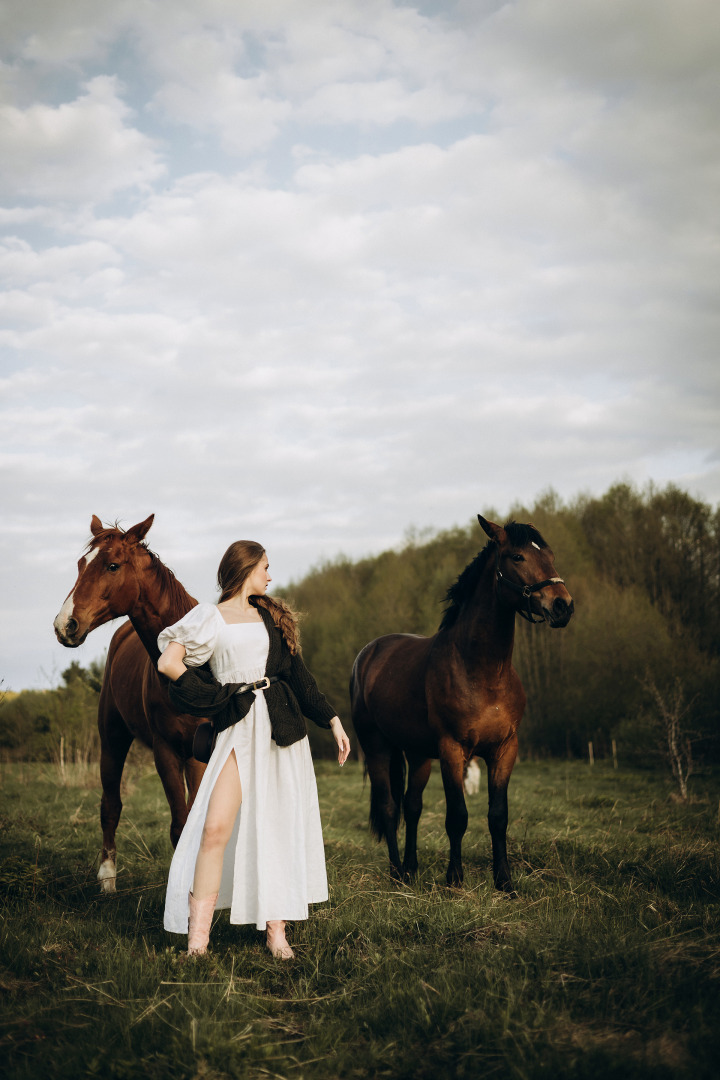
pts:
pixel 499 769
pixel 115 741
pixel 418 775
pixel 170 768
pixel 452 764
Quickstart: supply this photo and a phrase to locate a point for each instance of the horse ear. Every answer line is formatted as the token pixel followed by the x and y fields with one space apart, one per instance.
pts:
pixel 495 532
pixel 96 525
pixel 140 531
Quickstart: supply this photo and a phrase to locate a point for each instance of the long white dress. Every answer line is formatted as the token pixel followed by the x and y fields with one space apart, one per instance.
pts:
pixel 274 864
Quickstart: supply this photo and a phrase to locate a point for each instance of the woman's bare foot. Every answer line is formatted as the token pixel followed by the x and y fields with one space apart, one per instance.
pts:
pixel 277 942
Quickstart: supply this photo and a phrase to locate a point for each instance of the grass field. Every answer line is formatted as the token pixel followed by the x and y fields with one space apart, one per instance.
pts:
pixel 607 965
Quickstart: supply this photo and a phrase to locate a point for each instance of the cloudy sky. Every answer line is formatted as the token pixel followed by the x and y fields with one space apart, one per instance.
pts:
pixel 316 272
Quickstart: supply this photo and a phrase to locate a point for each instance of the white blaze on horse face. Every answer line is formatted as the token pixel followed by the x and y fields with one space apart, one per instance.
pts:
pixel 535 545
pixel 66 611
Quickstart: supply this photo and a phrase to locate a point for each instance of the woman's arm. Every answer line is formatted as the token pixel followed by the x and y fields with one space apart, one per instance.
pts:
pixel 341 739
pixel 171 661
pixel 313 704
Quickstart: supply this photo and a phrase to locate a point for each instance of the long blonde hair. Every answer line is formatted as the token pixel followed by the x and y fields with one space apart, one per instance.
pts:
pixel 235 567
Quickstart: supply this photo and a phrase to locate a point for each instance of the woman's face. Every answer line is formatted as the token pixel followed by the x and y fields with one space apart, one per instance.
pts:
pixel 259 578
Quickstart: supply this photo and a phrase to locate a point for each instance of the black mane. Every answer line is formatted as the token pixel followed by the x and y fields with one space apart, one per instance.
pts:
pixel 519 535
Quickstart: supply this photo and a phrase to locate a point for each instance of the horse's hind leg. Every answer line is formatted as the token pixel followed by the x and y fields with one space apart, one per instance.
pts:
pixel 170 770
pixel 194 771
pixel 499 770
pixel 386 768
pixel 115 743
pixel 418 775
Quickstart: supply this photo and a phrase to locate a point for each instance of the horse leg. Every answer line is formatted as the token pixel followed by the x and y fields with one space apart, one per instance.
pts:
pixel 386 769
pixel 115 743
pixel 499 769
pixel 193 775
pixel 418 775
pixel 169 767
pixel 452 764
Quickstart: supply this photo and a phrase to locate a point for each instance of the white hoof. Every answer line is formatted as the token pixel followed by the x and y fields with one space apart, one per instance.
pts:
pixel 106 876
pixel 472 778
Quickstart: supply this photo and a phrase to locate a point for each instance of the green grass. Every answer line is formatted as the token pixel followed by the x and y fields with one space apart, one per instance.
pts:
pixel 607 965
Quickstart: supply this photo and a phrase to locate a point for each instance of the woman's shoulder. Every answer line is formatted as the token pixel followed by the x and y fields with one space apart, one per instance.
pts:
pixel 203 610
pixel 197 630
pixel 200 615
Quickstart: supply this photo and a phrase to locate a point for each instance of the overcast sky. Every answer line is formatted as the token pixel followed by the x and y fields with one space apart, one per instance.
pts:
pixel 312 272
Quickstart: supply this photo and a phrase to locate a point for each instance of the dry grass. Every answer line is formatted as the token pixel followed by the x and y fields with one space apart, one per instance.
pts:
pixel 608 964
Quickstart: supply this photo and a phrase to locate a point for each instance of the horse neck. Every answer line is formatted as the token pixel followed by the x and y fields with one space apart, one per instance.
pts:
pixel 484 633
pixel 160 602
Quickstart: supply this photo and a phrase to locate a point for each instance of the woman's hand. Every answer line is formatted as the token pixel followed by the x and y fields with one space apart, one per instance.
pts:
pixel 341 739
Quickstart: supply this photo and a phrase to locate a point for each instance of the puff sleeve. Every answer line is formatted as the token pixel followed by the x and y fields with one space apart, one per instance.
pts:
pixel 197 631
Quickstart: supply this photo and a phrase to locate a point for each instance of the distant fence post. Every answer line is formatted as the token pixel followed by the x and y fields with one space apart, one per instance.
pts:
pixel 590 753
pixel 614 750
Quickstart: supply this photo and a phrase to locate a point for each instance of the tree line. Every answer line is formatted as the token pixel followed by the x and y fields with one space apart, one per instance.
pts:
pixel 33 722
pixel 643 567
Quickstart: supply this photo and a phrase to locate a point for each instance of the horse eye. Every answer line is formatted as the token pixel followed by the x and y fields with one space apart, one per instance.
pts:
pixel 113 567
pixel 517 558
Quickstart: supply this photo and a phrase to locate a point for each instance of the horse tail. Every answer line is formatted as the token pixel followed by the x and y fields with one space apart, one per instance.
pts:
pixel 378 800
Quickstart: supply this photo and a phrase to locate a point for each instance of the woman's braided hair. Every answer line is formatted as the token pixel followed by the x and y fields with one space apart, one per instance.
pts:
pixel 236 565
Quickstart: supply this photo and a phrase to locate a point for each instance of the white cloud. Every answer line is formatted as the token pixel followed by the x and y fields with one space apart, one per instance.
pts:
pixel 81 151
pixel 381 102
pixel 488 266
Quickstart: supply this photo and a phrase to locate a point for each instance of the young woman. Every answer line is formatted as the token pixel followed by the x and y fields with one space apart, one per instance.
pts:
pixel 253 839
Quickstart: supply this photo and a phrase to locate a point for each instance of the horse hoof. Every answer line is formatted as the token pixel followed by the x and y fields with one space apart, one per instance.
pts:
pixel 106 876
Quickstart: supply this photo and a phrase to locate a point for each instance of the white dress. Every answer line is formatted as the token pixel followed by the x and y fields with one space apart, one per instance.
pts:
pixel 274 864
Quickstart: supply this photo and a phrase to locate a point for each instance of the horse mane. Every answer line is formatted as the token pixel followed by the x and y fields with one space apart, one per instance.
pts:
pixel 179 598
pixel 519 535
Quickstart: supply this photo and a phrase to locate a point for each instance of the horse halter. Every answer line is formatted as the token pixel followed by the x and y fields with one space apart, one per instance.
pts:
pixel 525 590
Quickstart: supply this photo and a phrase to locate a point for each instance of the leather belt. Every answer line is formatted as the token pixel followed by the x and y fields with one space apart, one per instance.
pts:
pixel 259 684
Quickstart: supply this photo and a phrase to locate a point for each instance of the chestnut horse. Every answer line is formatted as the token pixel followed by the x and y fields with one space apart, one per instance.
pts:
pixel 119 575
pixel 455 695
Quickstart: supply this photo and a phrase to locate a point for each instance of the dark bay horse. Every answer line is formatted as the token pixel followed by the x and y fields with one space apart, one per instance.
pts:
pixel 119 575
pixel 455 695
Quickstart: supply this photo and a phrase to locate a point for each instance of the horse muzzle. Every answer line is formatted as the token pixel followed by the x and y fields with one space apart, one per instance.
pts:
pixel 559 612
pixel 67 631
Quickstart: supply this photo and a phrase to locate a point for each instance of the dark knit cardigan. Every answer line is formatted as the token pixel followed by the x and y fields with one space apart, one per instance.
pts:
pixel 198 693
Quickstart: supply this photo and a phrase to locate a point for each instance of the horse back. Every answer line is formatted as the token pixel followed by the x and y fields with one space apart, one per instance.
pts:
pixel 387 690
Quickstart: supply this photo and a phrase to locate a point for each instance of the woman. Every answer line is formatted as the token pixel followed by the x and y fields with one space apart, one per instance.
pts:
pixel 253 839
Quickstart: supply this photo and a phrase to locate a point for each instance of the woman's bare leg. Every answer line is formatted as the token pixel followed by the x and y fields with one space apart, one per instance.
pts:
pixel 223 806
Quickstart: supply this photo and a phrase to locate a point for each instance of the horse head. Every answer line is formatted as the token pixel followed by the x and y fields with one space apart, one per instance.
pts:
pixel 107 584
pixel 525 573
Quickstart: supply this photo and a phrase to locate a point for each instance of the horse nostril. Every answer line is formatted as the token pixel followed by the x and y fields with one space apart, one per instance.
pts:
pixel 559 607
pixel 71 626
